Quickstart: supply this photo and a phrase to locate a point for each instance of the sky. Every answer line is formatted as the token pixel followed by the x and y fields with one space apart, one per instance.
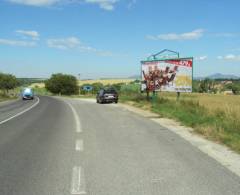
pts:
pixel 109 38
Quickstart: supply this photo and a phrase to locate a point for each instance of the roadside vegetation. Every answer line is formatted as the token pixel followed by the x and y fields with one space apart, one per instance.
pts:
pixel 8 85
pixel 217 86
pixel 215 116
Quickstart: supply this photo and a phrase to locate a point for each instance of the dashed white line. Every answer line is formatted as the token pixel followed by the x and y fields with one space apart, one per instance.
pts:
pixel 78 181
pixel 22 112
pixel 77 121
pixel 79 145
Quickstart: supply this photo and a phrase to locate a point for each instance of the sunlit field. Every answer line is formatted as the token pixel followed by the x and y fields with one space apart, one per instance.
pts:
pixel 37 85
pixel 90 82
pixel 105 81
pixel 229 104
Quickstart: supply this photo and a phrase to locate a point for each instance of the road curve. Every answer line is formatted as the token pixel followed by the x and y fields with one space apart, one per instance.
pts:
pixel 68 146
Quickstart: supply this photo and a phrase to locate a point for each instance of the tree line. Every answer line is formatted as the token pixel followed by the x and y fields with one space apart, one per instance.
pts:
pixel 216 86
pixel 66 84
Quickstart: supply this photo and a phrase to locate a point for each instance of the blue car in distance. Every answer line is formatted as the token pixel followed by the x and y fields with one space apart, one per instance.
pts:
pixel 27 94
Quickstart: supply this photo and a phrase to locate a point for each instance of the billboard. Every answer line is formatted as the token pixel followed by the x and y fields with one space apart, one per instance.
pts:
pixel 173 75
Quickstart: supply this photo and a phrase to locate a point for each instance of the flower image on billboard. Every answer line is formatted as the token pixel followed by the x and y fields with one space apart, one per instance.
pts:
pixel 172 75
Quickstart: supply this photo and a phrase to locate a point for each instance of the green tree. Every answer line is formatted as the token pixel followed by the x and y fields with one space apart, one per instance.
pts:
pixel 8 82
pixel 62 84
pixel 117 86
pixel 195 86
pixel 235 87
pixel 205 86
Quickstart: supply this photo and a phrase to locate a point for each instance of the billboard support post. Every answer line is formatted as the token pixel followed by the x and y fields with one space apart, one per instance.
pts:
pixel 178 95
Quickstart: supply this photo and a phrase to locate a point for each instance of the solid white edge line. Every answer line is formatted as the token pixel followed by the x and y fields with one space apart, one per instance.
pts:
pixel 20 113
pixel 79 145
pixel 78 181
pixel 76 117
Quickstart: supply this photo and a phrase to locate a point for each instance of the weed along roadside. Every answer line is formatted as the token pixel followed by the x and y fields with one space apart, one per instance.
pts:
pixel 215 124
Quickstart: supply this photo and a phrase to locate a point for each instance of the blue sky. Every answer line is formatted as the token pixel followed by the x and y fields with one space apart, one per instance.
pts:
pixel 109 38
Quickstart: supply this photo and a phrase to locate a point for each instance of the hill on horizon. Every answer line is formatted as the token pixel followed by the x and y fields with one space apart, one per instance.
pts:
pixel 219 76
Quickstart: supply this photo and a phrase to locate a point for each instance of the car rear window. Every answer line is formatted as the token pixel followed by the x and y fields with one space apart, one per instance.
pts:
pixel 110 91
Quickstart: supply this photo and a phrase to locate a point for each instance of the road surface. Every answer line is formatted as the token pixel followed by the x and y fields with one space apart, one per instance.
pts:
pixel 68 146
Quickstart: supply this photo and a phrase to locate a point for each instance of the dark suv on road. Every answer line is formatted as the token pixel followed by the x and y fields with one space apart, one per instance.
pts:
pixel 107 95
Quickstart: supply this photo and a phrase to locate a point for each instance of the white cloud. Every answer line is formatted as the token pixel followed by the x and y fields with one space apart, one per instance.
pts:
pixel 35 2
pixel 17 43
pixel 194 35
pixel 201 58
pixel 76 44
pixel 229 57
pixel 65 43
pixel 32 34
pixel 104 4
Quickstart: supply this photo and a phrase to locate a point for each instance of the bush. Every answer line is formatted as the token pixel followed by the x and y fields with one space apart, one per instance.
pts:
pixel 96 87
pixel 130 89
pixel 8 82
pixel 62 84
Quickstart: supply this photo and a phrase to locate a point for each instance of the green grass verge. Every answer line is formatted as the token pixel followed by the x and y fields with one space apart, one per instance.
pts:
pixel 5 98
pixel 217 126
pixel 11 95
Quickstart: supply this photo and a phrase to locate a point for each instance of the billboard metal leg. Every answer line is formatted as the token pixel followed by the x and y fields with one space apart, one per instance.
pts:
pixel 147 95
pixel 178 96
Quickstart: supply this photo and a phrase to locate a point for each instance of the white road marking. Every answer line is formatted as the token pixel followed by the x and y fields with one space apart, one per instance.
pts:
pixel 78 181
pixel 79 145
pixel 77 121
pixel 22 112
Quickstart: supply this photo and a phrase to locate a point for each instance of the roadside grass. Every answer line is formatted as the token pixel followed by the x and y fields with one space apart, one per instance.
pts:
pixel 12 94
pixel 87 96
pixel 213 116
pixel 4 98
pixel 41 91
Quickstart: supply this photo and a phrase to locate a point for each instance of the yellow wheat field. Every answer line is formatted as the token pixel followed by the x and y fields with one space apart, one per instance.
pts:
pixel 229 104
pixel 37 85
pixel 105 81
pixel 84 82
pixel 183 80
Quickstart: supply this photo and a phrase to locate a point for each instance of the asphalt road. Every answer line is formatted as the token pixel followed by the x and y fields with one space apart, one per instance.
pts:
pixel 69 146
